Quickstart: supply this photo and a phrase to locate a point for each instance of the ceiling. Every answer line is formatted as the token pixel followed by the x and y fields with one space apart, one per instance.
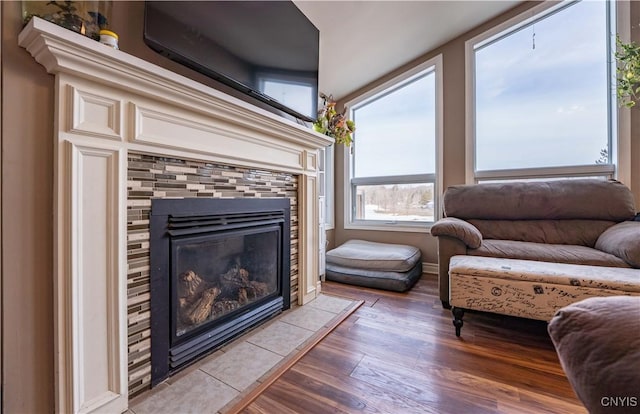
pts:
pixel 361 41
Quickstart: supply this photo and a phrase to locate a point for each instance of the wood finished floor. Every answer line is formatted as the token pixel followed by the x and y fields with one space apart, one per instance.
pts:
pixel 398 354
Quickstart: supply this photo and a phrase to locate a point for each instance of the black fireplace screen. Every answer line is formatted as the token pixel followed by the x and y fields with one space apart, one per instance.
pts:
pixel 218 268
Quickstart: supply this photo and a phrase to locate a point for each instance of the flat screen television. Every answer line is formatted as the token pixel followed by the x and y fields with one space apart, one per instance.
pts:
pixel 266 49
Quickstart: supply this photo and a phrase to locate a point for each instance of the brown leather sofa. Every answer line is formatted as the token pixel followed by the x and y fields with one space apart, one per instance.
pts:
pixel 581 221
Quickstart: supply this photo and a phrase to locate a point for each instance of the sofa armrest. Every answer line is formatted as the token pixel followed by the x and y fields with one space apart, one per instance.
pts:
pixel 622 240
pixel 447 248
pixel 459 229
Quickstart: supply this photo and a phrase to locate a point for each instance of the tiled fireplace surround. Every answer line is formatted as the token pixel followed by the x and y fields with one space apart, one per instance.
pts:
pixel 150 177
pixel 125 131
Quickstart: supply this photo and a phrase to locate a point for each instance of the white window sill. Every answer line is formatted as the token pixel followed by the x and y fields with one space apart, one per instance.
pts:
pixel 400 227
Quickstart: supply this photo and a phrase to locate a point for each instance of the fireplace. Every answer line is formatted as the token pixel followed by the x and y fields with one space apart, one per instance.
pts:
pixel 109 105
pixel 218 268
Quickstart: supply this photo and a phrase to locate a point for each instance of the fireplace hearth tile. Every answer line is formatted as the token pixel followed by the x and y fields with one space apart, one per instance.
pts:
pixel 194 393
pixel 243 364
pixel 308 318
pixel 231 366
pixel 329 303
pixel 280 337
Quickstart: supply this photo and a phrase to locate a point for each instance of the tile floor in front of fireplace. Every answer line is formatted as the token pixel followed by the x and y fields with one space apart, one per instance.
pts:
pixel 222 377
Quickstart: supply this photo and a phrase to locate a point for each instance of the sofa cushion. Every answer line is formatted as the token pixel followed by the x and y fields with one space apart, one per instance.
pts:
pixel 558 253
pixel 367 255
pixel 460 229
pixel 562 199
pixel 578 232
pixel 622 240
pixel 597 341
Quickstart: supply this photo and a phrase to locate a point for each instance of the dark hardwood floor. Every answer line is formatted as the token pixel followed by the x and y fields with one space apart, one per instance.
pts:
pixel 398 354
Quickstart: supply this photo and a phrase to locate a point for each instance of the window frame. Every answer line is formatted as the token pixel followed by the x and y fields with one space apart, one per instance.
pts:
pixel 350 223
pixel 329 184
pixel 618 125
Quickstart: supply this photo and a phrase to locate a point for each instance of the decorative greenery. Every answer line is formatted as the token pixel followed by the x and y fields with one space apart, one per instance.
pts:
pixel 68 15
pixel 604 156
pixel 628 72
pixel 72 15
pixel 332 123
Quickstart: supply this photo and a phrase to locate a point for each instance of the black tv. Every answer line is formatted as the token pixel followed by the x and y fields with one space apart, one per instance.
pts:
pixel 266 49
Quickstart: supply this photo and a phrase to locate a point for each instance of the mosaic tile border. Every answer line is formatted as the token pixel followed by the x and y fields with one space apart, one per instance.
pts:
pixel 161 177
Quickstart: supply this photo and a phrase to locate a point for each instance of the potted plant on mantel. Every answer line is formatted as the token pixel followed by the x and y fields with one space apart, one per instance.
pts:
pixel 333 123
pixel 628 73
pixel 84 17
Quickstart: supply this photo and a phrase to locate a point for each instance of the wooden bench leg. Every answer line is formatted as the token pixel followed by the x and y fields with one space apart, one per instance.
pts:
pixel 458 313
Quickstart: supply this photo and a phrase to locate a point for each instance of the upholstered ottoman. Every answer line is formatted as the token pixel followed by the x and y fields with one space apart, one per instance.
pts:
pixel 386 266
pixel 528 288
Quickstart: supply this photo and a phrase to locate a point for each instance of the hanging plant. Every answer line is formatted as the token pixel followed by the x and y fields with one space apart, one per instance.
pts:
pixel 332 123
pixel 628 72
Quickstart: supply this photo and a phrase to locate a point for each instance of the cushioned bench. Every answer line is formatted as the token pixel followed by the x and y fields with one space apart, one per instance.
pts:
pixel 530 289
pixel 386 266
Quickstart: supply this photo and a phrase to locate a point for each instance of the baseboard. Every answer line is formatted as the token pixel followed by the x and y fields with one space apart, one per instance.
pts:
pixel 429 267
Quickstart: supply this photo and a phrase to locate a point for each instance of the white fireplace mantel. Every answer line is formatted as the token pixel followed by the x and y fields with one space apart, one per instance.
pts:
pixel 107 104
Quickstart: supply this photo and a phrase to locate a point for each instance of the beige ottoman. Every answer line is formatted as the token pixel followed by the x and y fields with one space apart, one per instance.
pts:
pixel 530 289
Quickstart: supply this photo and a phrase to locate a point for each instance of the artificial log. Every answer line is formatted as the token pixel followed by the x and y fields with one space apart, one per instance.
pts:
pixel 236 284
pixel 190 288
pixel 225 306
pixel 200 310
pixel 258 289
pixel 242 296
pixel 236 277
pixel 199 300
pixel 233 282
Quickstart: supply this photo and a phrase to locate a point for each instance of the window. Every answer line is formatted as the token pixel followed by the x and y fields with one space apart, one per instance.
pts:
pixel 329 187
pixel 392 180
pixel 542 102
pixel 326 185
